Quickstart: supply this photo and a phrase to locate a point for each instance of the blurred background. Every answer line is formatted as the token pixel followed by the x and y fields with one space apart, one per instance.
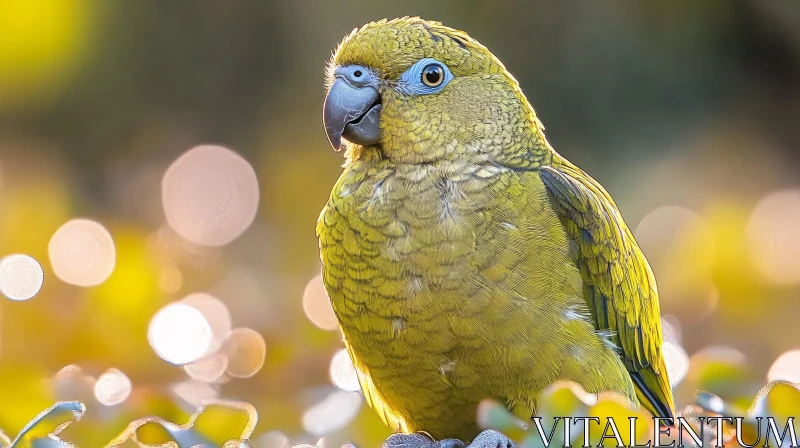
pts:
pixel 165 163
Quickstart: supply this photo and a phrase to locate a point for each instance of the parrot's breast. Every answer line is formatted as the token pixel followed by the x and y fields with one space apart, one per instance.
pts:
pixel 453 283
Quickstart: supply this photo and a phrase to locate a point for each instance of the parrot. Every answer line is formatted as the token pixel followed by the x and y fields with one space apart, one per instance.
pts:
pixel 465 258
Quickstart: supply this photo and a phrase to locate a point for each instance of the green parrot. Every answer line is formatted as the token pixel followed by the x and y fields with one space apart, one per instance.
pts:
pixel 464 257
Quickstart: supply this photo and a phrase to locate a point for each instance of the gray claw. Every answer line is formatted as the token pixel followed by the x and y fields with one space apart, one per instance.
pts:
pixel 491 439
pixel 450 443
pixel 416 440
pixel 487 439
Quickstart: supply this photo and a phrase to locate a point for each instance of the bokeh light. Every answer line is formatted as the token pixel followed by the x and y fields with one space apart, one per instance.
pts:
pixel 681 248
pixel 343 373
pixel 677 362
pixel 719 352
pixel 21 277
pixel 674 227
pixel 209 368
pixel 70 383
pixel 216 314
pixel 82 253
pixel 272 439
pixel 786 367
pixel 194 393
pixel 248 293
pixel 246 352
pixel 774 236
pixel 332 413
pixel 112 387
pixel 317 305
pixel 170 279
pixel 179 334
pixel 210 195
pixel 671 329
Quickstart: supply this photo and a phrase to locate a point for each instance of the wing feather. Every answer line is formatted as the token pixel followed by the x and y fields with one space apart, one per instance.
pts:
pixel 619 285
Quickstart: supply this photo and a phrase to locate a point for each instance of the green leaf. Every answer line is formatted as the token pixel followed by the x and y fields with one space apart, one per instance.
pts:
pixel 43 430
pixel 226 424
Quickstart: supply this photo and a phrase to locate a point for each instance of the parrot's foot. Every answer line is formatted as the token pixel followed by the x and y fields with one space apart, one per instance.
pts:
pixel 420 440
pixel 491 439
pixel 487 439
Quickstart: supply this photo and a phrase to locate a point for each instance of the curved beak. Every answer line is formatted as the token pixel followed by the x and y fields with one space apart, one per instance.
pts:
pixel 353 113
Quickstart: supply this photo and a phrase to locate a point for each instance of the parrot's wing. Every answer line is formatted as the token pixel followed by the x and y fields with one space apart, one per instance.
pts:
pixel 619 286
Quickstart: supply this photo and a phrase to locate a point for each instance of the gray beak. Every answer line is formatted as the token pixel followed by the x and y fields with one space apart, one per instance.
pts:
pixel 353 113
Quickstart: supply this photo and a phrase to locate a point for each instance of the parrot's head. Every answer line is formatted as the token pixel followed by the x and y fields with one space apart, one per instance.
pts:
pixel 417 91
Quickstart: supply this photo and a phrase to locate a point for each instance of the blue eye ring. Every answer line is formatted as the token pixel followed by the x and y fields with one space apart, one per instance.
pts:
pixel 432 75
pixel 427 76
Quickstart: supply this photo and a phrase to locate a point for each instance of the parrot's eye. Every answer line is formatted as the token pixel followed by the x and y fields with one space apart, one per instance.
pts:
pixel 426 77
pixel 433 75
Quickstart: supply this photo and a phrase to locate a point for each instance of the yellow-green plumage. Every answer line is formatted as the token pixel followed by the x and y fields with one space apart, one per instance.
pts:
pixel 465 259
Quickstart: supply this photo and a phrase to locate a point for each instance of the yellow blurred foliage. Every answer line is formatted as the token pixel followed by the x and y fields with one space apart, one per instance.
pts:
pixel 617 409
pixel 32 210
pixel 42 42
pixel 24 392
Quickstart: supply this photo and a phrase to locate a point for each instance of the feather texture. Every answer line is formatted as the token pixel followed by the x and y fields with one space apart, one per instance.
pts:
pixel 465 259
pixel 619 285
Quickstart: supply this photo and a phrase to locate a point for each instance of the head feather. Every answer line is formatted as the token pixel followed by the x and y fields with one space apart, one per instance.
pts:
pixel 392 46
pixel 481 115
